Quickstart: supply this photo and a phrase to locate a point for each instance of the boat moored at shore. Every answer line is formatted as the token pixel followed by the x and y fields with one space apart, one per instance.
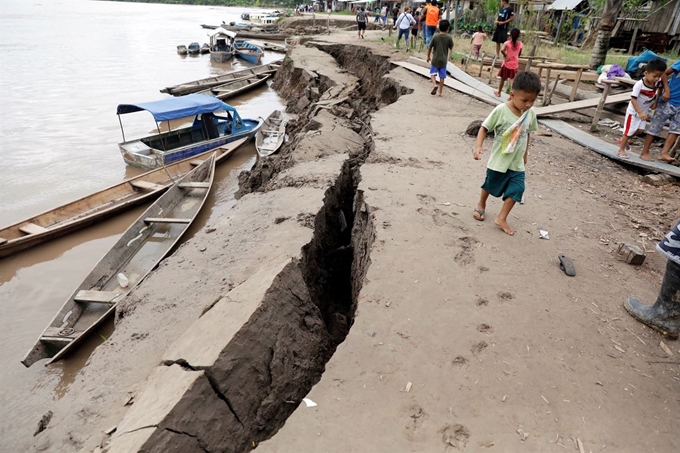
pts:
pixel 248 51
pixel 209 130
pixel 221 45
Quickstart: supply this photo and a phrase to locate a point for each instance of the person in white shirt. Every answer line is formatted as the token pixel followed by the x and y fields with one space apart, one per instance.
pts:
pixel 404 23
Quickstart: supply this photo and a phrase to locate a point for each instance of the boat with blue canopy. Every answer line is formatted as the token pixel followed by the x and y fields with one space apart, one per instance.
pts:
pixel 209 129
pixel 248 51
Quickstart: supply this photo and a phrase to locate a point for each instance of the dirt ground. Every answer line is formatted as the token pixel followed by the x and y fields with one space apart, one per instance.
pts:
pixel 464 339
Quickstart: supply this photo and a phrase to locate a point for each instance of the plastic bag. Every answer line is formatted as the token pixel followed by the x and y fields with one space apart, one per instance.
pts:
pixel 511 136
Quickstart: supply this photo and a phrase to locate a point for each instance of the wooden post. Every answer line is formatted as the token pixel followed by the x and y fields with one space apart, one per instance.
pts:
pixel 632 41
pixel 559 27
pixel 600 105
pixel 493 64
pixel 557 79
pixel 481 66
pixel 547 86
pixel 575 87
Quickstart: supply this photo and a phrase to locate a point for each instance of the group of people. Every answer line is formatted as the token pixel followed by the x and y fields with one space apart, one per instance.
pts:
pixel 424 19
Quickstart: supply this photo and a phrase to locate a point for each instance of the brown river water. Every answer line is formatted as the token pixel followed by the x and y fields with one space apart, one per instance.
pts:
pixel 64 66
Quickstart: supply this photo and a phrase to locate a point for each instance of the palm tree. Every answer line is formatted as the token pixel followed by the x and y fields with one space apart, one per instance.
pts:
pixel 604 32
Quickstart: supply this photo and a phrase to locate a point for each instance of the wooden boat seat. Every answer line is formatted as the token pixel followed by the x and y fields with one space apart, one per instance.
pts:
pixel 194 185
pixel 32 228
pixel 52 334
pixel 2 241
pixel 195 162
pixel 165 220
pixel 146 185
pixel 97 297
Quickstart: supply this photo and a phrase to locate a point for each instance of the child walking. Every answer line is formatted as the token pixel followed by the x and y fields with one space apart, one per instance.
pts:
pixel 645 96
pixel 511 51
pixel 512 122
pixel 477 41
pixel 439 49
pixel 361 23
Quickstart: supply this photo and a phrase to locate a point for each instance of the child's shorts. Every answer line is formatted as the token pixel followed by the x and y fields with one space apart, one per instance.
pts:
pixel 507 73
pixel 507 185
pixel 441 72
pixel 476 48
pixel 631 124
pixel 664 112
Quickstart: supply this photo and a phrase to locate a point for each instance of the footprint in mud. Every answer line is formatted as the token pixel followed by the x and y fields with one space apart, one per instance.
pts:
pixel 467 254
pixel 485 328
pixel 417 416
pixel 483 269
pixel 482 302
pixel 479 347
pixel 459 361
pixel 504 295
pixel 425 199
pixel 455 436
pixel 441 218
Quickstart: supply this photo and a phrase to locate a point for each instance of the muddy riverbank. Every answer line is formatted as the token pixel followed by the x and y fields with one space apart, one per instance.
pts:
pixel 351 272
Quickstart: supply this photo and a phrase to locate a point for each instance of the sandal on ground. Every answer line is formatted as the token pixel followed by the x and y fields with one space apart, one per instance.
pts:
pixel 567 265
pixel 623 155
pixel 478 214
pixel 434 91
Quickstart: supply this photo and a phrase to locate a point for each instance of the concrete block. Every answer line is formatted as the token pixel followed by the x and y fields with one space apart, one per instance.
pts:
pixel 631 254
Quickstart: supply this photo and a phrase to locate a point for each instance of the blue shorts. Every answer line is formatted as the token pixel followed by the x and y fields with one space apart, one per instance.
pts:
pixel 506 185
pixel 665 112
pixel 441 72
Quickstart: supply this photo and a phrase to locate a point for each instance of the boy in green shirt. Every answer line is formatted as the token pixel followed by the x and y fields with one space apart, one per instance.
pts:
pixel 442 43
pixel 512 122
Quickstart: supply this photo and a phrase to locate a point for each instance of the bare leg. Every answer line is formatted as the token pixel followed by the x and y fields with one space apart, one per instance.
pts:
pixel 500 88
pixel 665 156
pixel 644 155
pixel 498 50
pixel 481 205
pixel 441 88
pixel 502 219
pixel 433 79
pixel 622 148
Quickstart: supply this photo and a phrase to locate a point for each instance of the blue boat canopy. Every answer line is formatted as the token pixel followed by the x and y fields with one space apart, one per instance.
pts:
pixel 178 107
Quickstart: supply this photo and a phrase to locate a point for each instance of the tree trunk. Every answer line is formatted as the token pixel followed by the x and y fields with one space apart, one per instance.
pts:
pixel 604 32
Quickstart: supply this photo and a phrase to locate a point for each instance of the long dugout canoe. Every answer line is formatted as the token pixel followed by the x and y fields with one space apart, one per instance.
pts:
pixel 209 82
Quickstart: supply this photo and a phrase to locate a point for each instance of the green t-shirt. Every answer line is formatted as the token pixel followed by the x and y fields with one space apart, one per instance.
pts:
pixel 500 120
pixel 440 45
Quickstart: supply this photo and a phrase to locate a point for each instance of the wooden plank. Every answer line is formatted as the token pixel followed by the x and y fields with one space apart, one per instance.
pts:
pixel 53 333
pixel 32 228
pixel 194 185
pixel 606 149
pixel 2 241
pixel 584 104
pixel 146 185
pixel 455 84
pixel 165 220
pixel 98 297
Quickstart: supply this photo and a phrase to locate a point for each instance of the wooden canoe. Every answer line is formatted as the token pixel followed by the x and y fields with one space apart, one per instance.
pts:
pixel 209 82
pixel 271 135
pixel 136 253
pixel 98 206
pixel 235 87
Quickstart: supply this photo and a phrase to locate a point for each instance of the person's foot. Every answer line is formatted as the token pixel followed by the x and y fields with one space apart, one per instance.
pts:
pixel 627 145
pixel 497 93
pixel 434 90
pixel 622 155
pixel 666 158
pixel 441 95
pixel 646 157
pixel 478 214
pixel 503 224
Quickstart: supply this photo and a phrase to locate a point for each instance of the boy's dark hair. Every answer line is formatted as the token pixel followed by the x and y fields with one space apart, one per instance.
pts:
pixel 528 82
pixel 656 65
pixel 444 25
pixel 480 29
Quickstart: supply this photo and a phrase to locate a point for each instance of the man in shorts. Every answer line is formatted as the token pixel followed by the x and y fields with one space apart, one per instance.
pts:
pixel 668 110
pixel 505 17
pixel 361 22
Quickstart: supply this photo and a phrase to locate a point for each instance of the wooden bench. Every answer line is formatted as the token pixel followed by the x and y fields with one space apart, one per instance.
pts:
pixel 32 228
pixel 561 67
pixel 165 220
pixel 97 297
pixel 194 185
pixel 52 334
pixel 146 185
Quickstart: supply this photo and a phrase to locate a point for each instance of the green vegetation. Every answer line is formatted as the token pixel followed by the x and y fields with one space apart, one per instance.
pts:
pixel 251 3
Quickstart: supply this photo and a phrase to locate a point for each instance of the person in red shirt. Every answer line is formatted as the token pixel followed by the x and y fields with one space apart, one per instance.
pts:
pixel 512 49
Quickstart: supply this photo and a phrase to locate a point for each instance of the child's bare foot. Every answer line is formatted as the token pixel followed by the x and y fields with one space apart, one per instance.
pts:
pixel 666 158
pixel 441 95
pixel 497 93
pixel 646 157
pixel 504 226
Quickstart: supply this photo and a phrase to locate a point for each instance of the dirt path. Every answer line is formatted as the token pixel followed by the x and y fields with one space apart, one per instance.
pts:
pixel 463 338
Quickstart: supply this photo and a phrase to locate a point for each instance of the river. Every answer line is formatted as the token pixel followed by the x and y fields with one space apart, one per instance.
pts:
pixel 64 66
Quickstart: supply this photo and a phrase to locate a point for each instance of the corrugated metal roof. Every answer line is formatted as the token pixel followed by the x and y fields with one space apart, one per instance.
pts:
pixel 564 5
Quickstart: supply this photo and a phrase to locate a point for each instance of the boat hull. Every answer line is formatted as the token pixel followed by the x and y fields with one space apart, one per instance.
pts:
pixel 249 56
pixel 221 57
pixel 236 87
pixel 202 84
pixel 95 299
pixel 160 158
pixel 270 137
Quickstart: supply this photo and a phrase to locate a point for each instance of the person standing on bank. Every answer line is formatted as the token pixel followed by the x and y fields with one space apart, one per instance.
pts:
pixel 431 21
pixel 505 17
pixel 404 23
pixel 361 23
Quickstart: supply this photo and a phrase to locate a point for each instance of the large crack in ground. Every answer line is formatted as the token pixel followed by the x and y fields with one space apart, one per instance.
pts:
pixel 276 358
